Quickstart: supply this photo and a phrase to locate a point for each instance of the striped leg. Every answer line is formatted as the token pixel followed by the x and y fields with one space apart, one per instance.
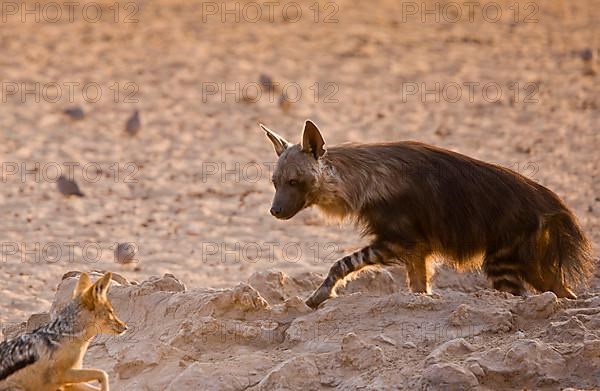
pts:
pixel 505 269
pixel 370 255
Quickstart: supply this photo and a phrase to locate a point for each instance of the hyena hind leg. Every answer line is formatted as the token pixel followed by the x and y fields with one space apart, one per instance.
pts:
pixel 505 271
pixel 369 255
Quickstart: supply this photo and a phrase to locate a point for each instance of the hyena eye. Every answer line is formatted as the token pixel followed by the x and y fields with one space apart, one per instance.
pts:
pixel 293 182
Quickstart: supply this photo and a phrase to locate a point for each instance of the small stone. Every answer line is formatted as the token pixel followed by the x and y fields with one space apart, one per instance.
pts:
pixel 385 339
pixel 75 113
pixel 520 334
pixel 133 124
pixel 586 54
pixel 538 306
pixel 68 187
pixel 266 81
pixel 476 369
pixel 126 252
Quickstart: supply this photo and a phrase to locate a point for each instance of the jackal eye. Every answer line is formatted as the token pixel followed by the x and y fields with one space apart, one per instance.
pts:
pixel 293 182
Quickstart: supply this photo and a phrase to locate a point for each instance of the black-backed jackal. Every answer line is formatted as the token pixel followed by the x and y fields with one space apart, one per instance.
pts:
pixel 419 202
pixel 50 358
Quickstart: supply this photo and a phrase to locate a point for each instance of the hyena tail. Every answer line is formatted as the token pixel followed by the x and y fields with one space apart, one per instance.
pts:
pixel 567 260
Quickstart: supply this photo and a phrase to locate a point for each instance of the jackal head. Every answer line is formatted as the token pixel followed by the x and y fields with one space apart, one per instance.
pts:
pixel 297 174
pixel 98 310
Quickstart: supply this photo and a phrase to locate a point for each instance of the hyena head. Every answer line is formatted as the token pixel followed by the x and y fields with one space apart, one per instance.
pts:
pixel 99 313
pixel 297 174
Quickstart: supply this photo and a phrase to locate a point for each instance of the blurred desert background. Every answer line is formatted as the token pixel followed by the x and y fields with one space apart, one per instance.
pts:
pixel 191 190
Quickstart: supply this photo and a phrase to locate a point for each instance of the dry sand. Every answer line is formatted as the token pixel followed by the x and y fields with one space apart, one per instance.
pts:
pixel 214 232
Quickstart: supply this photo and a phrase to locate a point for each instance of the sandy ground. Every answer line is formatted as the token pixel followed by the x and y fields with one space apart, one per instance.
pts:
pixel 192 189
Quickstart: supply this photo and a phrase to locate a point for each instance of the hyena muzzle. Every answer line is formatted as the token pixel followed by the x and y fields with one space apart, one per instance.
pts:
pixel 419 202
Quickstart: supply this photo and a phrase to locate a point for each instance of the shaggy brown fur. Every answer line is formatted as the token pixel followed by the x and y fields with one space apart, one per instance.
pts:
pixel 418 201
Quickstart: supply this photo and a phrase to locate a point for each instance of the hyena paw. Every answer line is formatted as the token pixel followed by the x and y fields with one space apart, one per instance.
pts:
pixel 318 296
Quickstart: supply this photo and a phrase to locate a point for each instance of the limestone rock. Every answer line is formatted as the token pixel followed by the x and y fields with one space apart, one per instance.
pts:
pixel 538 306
pixel 276 287
pixel 379 282
pixel 568 331
pixel 359 354
pixel 166 283
pixel 527 361
pixel 298 373
pixel 450 350
pixel 448 376
pixel 475 320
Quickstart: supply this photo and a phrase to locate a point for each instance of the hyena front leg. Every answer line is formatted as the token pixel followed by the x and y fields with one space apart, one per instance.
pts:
pixel 505 269
pixel 420 268
pixel 420 271
pixel 370 255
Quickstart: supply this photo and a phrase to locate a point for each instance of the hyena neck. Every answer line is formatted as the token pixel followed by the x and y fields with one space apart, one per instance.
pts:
pixel 331 195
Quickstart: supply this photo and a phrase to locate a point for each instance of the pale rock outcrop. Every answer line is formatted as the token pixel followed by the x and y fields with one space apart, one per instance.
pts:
pixel 259 335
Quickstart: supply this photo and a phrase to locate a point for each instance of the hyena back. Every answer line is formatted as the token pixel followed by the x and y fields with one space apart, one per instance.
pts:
pixel 419 202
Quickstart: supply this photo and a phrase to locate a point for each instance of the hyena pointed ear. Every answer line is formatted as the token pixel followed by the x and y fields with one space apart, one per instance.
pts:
pixel 100 287
pixel 312 141
pixel 82 285
pixel 279 142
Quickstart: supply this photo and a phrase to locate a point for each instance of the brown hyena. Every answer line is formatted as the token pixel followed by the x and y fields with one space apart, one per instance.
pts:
pixel 418 202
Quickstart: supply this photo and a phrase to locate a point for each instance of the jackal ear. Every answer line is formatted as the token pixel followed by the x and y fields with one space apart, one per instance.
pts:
pixel 83 284
pixel 312 141
pixel 279 142
pixel 100 287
